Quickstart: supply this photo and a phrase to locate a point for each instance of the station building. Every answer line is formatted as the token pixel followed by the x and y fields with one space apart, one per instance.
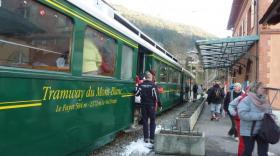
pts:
pixel 252 53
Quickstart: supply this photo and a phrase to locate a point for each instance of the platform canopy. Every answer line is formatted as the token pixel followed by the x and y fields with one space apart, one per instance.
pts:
pixel 223 53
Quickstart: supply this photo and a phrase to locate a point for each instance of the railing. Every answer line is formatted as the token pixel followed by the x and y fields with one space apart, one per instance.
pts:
pixel 27 46
pixel 274 92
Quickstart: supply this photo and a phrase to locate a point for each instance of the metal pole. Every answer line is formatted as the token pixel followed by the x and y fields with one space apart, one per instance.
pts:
pixel 206 78
pixel 257 48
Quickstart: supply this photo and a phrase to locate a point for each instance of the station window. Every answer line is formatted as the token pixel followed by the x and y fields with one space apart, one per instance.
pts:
pixel 34 36
pixel 127 63
pixel 249 20
pixel 99 56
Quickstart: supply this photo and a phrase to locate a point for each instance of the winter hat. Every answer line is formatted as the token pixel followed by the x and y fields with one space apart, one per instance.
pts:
pixel 254 86
pixel 237 85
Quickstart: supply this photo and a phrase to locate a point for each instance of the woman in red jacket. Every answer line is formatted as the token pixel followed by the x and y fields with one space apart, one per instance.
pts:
pixel 232 108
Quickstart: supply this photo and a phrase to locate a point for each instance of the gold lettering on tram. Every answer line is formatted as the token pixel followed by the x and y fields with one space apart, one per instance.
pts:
pixel 85 98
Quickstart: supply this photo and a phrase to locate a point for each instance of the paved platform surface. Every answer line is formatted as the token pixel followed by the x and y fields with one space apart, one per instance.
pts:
pixel 217 141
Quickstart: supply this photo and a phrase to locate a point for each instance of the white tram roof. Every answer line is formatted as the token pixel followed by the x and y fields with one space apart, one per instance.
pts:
pixel 188 73
pixel 106 13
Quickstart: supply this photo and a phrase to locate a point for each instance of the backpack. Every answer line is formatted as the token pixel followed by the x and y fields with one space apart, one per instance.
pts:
pixel 269 131
pixel 216 93
pixel 137 99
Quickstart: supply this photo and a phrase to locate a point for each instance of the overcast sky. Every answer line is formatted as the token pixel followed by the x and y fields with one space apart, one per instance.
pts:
pixel 210 15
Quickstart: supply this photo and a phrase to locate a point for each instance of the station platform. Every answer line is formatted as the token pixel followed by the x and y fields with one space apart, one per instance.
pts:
pixel 218 143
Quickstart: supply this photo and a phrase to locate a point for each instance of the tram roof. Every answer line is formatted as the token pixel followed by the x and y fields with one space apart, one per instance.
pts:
pixel 139 37
pixel 224 53
pixel 272 15
pixel 188 73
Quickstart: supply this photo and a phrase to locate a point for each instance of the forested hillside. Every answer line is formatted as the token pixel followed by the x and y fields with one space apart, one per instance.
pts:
pixel 174 37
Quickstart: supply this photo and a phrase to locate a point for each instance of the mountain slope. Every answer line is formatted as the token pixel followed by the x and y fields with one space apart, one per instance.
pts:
pixel 174 37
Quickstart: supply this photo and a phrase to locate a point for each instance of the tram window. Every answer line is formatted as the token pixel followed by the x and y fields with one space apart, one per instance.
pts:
pixel 34 36
pixel 170 74
pixel 155 67
pixel 163 73
pixel 179 78
pixel 175 77
pixel 127 63
pixel 99 54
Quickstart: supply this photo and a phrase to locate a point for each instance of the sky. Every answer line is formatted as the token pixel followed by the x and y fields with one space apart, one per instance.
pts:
pixel 210 15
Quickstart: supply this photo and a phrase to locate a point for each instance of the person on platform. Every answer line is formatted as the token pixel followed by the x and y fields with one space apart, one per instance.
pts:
pixel 251 111
pixel 230 96
pixel 194 89
pixel 216 97
pixel 149 96
pixel 232 108
pixel 187 89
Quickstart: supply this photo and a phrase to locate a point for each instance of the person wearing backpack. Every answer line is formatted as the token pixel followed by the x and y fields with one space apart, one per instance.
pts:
pixel 230 96
pixel 187 89
pixel 194 89
pixel 253 108
pixel 149 94
pixel 216 97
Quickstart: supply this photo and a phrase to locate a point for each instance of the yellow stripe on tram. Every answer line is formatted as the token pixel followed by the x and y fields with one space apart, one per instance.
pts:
pixel 20 106
pixel 169 91
pixel 87 20
pixel 128 95
pixel 1 103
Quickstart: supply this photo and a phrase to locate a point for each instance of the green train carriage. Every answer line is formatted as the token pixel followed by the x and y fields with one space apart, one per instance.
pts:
pixel 67 77
pixel 167 78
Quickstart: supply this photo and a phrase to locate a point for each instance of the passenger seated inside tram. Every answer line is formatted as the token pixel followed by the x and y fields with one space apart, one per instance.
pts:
pixel 107 66
pixel 49 61
pixel 91 57
pixel 62 61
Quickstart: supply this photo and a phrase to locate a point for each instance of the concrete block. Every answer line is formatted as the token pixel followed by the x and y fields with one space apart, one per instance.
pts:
pixel 185 122
pixel 180 143
pixel 182 123
pixel 194 117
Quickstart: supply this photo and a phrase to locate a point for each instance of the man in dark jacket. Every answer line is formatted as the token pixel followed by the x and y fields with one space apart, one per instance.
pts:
pixel 195 87
pixel 149 97
pixel 208 92
pixel 187 88
pixel 231 95
pixel 216 96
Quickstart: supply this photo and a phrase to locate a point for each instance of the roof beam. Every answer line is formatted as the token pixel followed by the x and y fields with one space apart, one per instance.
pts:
pixel 224 52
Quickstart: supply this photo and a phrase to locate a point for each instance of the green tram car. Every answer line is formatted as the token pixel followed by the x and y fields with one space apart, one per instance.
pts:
pixel 67 70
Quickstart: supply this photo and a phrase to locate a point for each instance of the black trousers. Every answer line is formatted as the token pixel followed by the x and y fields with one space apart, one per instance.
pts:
pixel 148 112
pixel 249 143
pixel 232 130
pixel 187 95
pixel 194 95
